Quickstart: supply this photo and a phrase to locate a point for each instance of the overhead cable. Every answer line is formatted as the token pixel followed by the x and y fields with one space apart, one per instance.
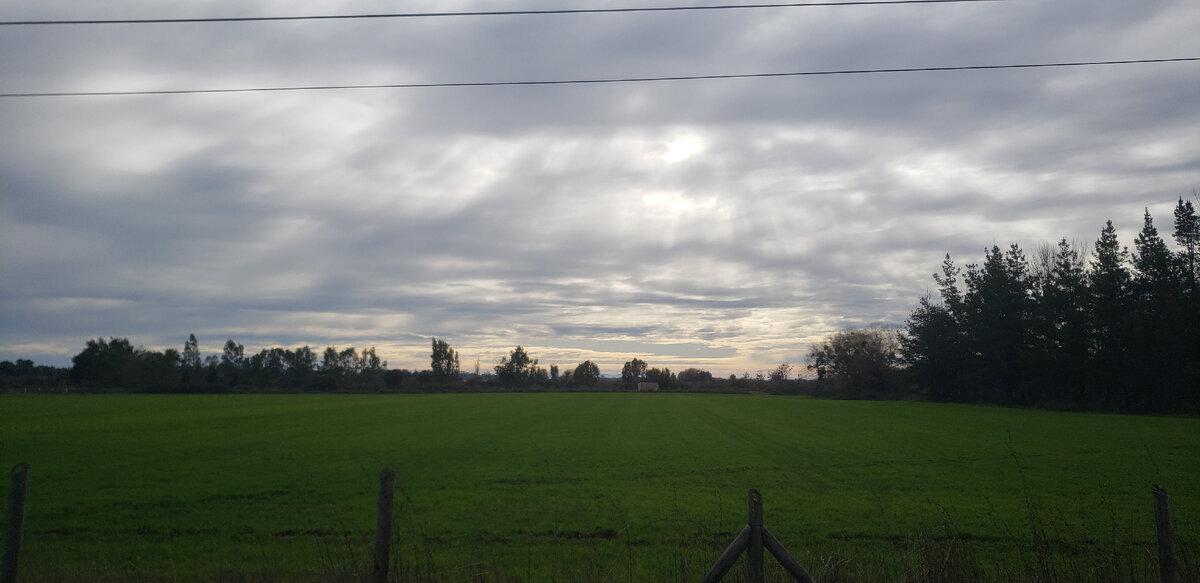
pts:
pixel 482 13
pixel 591 81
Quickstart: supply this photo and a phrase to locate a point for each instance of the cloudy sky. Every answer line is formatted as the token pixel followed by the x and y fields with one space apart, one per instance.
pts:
pixel 726 224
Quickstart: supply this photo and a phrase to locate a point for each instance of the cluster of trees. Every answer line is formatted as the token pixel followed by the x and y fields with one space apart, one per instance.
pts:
pixel 587 373
pixel 694 375
pixel 24 375
pixel 1115 330
pixel 636 371
pixel 856 363
pixel 518 369
pixel 116 363
pixel 26 368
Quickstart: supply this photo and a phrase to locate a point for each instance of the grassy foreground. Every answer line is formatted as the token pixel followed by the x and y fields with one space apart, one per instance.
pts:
pixel 587 487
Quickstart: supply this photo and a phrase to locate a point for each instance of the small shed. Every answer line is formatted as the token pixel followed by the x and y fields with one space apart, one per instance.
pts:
pixel 643 386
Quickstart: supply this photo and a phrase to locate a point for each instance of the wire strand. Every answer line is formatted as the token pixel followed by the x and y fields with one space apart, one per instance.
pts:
pixel 483 13
pixel 591 81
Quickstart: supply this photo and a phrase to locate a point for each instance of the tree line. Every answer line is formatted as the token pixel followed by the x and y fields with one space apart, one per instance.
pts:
pixel 1111 329
pixel 116 364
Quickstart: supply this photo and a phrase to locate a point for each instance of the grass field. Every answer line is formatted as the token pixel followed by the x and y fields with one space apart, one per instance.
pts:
pixel 585 487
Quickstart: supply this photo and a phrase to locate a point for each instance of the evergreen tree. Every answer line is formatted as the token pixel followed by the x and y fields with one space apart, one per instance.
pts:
pixel 1187 235
pixel 1154 267
pixel 998 310
pixel 1109 302
pixel 1063 325
pixel 1118 329
pixel 934 345
pixel 947 282
pixel 1155 309
pixel 926 349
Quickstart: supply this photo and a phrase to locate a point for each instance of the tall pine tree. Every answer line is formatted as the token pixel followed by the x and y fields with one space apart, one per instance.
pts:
pixel 934 346
pixel 1062 324
pixel 1157 331
pixel 1109 301
pixel 1187 235
pixel 998 310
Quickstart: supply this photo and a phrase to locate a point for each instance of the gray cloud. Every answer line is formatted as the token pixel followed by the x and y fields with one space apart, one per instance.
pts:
pixel 724 224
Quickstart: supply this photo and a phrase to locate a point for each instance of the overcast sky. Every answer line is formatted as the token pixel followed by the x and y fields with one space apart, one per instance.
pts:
pixel 725 224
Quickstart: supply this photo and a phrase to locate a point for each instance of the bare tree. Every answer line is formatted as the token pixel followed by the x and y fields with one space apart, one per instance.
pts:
pixel 781 373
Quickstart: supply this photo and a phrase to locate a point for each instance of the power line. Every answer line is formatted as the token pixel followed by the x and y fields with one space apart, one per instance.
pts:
pixel 483 13
pixel 592 81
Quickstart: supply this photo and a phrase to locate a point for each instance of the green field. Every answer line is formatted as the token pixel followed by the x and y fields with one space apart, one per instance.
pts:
pixel 583 487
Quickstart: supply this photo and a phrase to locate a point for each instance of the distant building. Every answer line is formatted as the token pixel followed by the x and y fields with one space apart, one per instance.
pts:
pixel 647 386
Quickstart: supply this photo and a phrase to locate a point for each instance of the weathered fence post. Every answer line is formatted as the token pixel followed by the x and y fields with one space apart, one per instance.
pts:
pixel 1162 521
pixel 729 557
pixel 383 525
pixel 15 523
pixel 752 540
pixel 754 553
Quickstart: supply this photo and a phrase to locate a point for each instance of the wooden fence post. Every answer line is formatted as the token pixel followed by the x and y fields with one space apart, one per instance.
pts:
pixel 15 522
pixel 754 553
pixel 789 563
pixel 1162 521
pixel 752 540
pixel 383 525
pixel 729 557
